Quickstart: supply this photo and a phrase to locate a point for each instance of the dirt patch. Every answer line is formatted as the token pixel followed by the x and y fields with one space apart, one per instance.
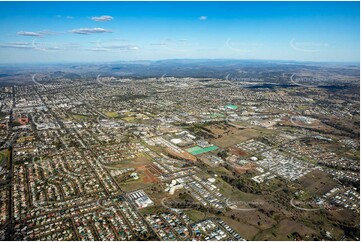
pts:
pixel 250 167
pixel 182 155
pixel 146 175
pixel 154 170
pixel 237 151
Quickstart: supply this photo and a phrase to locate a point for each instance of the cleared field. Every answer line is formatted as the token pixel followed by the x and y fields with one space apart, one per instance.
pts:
pixel 317 182
pixel 145 169
pixel 24 138
pixel 247 231
pixel 182 155
pixel 196 215
pixel 237 151
pixel 287 227
pixel 146 179
pixel 250 167
pixel 140 160
pixel 79 117
pixel 235 136
pixel 129 119
pixel 222 171
pixel 236 195
pixel 4 156
pixel 111 114
pixel 152 210
pixel 2 159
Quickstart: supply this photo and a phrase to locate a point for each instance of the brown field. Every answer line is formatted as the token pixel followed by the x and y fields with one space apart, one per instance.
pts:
pixel 247 231
pixel 235 137
pixel 237 151
pixel 154 170
pixel 144 167
pixel 147 176
pixel 287 227
pixel 317 182
pixel 25 138
pixel 222 171
pixel 249 224
pixel 344 216
pixel 234 194
pixel 316 125
pixel 184 155
pixel 146 179
pixel 218 129
pixel 250 167
pixel 196 215
pixel 140 160
pixel 284 229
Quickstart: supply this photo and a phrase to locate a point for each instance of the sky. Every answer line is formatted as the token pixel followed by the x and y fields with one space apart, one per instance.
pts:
pixel 57 32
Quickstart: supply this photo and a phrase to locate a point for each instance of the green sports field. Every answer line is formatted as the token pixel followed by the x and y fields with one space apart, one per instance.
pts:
pixel 231 106
pixel 198 150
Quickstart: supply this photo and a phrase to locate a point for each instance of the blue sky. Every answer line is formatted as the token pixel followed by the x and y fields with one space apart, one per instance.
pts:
pixel 32 32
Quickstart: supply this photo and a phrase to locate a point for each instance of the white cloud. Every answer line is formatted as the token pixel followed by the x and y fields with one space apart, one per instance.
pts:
pixel 41 46
pixel 47 32
pixel 203 18
pixel 29 33
pixel 117 47
pixel 17 45
pixel 114 46
pixel 122 47
pixel 90 31
pixel 36 33
pixel 103 18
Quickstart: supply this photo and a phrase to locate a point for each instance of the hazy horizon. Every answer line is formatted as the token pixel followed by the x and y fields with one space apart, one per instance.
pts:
pixel 178 59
